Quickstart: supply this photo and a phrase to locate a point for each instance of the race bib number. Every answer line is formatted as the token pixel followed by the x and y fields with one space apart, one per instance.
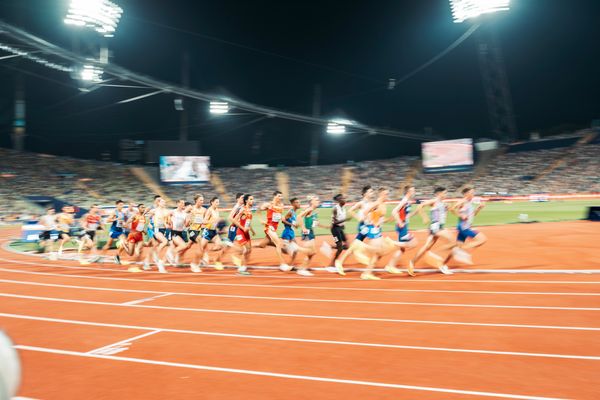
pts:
pixel 364 230
pixel 276 217
pixel 139 228
pixel 119 223
pixel 247 224
pixel 435 227
pixel 198 219
pixel 93 227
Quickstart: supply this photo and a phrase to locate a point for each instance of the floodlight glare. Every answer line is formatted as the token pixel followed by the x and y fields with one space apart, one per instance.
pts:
pixel 101 15
pixel 219 107
pixel 463 10
pixel 336 129
pixel 91 73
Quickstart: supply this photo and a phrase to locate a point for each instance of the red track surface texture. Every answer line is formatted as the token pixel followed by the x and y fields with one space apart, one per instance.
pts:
pixel 99 332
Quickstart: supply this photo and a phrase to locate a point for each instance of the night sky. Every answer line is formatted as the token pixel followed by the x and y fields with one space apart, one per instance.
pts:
pixel 283 49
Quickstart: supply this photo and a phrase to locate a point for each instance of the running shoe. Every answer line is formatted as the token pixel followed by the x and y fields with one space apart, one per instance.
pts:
pixel 117 260
pixel 445 270
pixel 134 269
pixel 195 268
pixel 339 267
pixel 146 267
pixel 392 270
pixel 161 267
pixel 304 272
pixel 411 268
pixel 219 266
pixel 285 268
pixel 333 270
pixel 369 276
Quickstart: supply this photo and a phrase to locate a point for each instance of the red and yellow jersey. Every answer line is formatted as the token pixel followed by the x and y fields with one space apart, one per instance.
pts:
pixel 274 216
pixel 246 217
pixel 137 223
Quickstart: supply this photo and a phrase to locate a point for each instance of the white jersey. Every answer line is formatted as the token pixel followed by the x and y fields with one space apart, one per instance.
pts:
pixel 438 212
pixel 467 211
pixel 178 220
pixel 49 222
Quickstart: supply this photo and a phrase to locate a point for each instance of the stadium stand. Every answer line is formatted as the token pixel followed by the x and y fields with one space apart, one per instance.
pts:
pixel 571 169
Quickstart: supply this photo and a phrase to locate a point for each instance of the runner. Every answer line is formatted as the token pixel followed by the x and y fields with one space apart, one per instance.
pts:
pixel 91 223
pixel 274 210
pixel 64 223
pixel 401 215
pixel 308 222
pixel 209 233
pixel 117 221
pixel 339 217
pixel 48 223
pixel 437 231
pixel 162 233
pixel 358 211
pixel 242 244
pixel 288 236
pixel 466 210
pixel 237 208
pixel 137 224
pixel 195 231
pixel 177 221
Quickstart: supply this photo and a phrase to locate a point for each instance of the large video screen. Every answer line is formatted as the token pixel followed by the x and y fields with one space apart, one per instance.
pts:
pixel 448 155
pixel 184 169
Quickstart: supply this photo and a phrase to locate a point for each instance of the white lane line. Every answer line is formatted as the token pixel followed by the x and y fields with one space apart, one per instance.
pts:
pixel 300 340
pixel 121 345
pixel 140 301
pixel 285 315
pixel 329 288
pixel 470 271
pixel 280 375
pixel 321 278
pixel 163 294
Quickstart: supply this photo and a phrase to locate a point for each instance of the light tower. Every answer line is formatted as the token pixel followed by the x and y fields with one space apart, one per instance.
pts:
pixel 102 17
pixel 491 64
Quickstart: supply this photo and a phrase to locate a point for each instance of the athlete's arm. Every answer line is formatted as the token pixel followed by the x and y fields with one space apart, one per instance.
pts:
pixel 457 209
pixel 285 219
pixel 83 221
pixel 396 214
pixel 236 222
pixel 231 215
pixel 479 208
pixel 421 211
pixel 301 218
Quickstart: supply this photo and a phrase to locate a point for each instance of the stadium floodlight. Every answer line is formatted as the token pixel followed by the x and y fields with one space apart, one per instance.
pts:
pixel 101 15
pixel 463 10
pixel 338 126
pixel 91 73
pixel 219 107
